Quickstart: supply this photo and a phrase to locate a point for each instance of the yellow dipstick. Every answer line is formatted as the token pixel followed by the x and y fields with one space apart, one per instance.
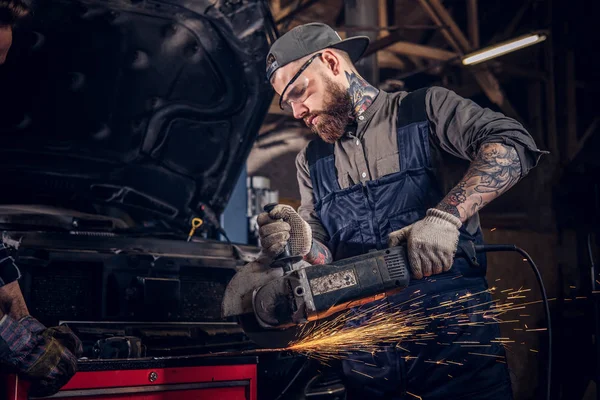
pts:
pixel 196 223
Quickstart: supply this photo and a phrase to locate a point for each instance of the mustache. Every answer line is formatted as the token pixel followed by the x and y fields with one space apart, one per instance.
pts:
pixel 312 115
pixel 330 127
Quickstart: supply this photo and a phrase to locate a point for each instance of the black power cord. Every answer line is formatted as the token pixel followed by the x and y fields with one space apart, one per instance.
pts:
pixel 291 382
pixel 495 248
pixel 596 312
pixel 492 248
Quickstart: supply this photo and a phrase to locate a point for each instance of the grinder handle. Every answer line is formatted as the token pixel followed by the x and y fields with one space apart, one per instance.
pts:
pixel 466 249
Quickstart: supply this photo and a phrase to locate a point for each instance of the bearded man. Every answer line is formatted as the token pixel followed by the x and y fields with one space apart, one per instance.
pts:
pixel 392 168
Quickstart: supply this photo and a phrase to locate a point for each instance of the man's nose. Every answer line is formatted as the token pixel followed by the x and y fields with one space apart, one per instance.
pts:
pixel 299 109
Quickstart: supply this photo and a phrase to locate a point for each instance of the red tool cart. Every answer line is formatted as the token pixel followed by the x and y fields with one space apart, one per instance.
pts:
pixel 178 378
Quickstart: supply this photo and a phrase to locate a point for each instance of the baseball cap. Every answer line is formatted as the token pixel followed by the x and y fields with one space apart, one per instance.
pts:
pixel 310 38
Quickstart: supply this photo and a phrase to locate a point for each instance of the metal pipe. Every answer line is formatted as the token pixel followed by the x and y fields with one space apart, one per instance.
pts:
pixel 364 13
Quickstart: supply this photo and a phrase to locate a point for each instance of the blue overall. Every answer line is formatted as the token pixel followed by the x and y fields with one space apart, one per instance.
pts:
pixel 360 218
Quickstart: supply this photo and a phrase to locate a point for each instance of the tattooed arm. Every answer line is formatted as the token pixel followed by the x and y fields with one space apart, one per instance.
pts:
pixel 318 254
pixel 499 148
pixel 495 169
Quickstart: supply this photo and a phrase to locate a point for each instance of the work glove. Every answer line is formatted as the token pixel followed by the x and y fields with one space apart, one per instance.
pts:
pixel 431 242
pixel 57 365
pixel 46 357
pixel 280 226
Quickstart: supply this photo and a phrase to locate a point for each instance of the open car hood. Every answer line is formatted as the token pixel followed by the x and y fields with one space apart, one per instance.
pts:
pixel 147 108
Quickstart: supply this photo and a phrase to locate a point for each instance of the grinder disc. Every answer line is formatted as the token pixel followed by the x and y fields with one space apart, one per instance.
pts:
pixel 269 338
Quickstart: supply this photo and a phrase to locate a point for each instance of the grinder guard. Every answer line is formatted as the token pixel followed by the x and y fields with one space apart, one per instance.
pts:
pixel 238 303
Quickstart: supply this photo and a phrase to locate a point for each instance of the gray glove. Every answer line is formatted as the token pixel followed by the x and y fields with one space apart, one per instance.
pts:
pixel 281 225
pixel 431 242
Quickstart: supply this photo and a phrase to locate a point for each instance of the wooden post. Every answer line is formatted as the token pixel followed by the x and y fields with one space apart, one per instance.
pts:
pixel 552 136
pixel 570 96
pixel 586 135
pixel 473 21
pixel 364 13
pixel 383 18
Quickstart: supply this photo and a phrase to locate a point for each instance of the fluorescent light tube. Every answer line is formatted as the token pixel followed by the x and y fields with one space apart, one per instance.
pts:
pixel 503 48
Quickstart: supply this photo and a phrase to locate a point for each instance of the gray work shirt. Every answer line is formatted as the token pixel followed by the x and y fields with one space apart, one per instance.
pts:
pixel 458 126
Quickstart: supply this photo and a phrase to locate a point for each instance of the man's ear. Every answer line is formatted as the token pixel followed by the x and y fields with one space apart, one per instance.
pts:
pixel 332 61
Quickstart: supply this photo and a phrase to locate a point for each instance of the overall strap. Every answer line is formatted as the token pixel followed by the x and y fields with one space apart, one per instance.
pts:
pixel 413 131
pixel 321 166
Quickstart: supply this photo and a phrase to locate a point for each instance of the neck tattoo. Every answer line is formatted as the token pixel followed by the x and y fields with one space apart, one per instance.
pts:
pixel 361 92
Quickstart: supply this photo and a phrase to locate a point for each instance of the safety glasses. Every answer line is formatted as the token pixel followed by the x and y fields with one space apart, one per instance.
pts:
pixel 295 90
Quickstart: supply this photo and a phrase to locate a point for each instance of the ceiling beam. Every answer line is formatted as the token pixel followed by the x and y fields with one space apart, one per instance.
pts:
pixel 473 22
pixel 418 50
pixel 457 40
pixel 444 29
pixel 384 42
pixel 491 87
pixel 275 7
pixel 290 11
pixel 448 21
pixel 387 59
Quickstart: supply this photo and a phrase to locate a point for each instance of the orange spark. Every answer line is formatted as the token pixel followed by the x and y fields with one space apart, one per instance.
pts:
pixel 486 355
pixel 360 373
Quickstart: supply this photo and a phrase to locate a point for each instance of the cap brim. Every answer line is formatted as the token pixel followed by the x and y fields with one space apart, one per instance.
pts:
pixel 355 46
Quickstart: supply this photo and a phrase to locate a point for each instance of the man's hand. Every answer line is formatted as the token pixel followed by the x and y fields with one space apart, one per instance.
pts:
pixel 12 301
pixel 431 242
pixel 57 364
pixel 46 357
pixel 281 225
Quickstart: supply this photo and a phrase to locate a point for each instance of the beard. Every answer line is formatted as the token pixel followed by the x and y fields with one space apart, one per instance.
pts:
pixel 337 115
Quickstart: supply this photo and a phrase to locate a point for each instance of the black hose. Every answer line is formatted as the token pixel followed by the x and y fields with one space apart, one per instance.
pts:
pixel 490 248
pixel 596 311
pixel 291 382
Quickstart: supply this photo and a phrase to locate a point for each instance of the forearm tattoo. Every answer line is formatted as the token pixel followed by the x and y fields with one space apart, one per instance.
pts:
pixel 318 254
pixel 495 169
pixel 361 92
